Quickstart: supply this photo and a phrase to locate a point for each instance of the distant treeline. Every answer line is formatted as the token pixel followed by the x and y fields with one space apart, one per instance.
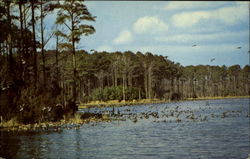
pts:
pixel 128 76
pixel 38 85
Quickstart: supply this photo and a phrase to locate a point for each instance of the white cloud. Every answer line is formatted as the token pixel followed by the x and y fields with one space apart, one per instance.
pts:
pixel 104 48
pixel 124 37
pixel 231 15
pixel 185 5
pixel 149 24
pixel 226 15
pixel 189 19
pixel 215 37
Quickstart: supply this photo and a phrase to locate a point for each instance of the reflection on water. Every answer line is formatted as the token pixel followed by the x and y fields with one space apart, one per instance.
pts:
pixel 9 144
pixel 193 129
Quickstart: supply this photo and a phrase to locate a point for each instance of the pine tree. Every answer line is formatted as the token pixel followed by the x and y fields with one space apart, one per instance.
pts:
pixel 72 14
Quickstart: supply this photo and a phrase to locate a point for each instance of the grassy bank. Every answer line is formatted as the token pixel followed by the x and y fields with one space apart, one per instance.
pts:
pixel 218 97
pixel 146 101
pixel 75 121
pixel 121 103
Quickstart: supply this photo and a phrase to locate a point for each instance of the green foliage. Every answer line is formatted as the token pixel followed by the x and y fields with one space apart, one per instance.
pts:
pixel 34 106
pixel 72 14
pixel 97 94
pixel 114 93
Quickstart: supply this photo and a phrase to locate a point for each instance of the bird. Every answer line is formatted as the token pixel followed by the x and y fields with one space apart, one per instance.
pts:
pixel 23 62
pixel 21 108
pixel 212 59
pixel 194 45
pixel 238 47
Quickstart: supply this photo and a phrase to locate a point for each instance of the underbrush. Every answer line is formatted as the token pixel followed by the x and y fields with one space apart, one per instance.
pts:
pixel 76 119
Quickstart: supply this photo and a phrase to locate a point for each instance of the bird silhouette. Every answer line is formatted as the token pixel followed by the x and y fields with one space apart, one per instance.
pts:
pixel 194 45
pixel 212 59
pixel 238 47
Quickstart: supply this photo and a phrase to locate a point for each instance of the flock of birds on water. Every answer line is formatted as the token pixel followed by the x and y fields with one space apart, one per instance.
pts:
pixel 161 113
pixel 169 113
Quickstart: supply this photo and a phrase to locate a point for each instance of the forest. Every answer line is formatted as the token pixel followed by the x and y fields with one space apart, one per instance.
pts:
pixel 35 80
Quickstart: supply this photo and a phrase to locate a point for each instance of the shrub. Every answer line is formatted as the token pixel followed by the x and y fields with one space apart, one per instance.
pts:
pixel 97 94
pixel 115 93
pixel 176 96
pixel 35 106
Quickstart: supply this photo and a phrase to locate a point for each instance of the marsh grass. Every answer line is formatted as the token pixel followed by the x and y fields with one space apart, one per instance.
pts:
pixel 10 123
pixel 217 97
pixel 76 120
pixel 119 103
pixel 145 101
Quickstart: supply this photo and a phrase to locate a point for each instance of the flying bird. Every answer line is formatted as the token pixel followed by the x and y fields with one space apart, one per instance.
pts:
pixel 212 59
pixel 238 47
pixel 194 45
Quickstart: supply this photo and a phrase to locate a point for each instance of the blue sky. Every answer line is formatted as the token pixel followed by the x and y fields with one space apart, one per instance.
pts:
pixel 171 28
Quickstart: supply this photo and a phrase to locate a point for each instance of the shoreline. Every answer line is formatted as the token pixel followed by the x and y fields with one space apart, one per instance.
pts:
pixel 73 122
pixel 79 119
pixel 116 103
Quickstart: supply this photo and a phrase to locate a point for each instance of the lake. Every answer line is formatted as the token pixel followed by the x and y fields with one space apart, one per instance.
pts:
pixel 188 129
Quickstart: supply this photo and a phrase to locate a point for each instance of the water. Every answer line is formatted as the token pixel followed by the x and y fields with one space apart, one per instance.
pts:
pixel 191 129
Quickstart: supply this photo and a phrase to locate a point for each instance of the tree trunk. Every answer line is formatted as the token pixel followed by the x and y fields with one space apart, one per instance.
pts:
pixel 74 61
pixel 34 43
pixel 25 55
pixel 130 81
pixel 21 40
pixel 149 83
pixel 89 89
pixel 146 82
pixel 42 43
pixel 115 77
pixel 9 41
pixel 178 85
pixel 171 86
pixel 123 86
pixel 139 93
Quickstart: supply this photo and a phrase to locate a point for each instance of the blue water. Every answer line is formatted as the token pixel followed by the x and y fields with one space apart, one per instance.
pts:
pixel 191 129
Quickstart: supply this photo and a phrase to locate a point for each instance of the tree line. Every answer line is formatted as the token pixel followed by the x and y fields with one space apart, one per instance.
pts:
pixel 128 75
pixel 37 84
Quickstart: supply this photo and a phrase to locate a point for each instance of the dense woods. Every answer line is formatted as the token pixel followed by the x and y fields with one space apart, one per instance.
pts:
pixel 127 76
pixel 38 84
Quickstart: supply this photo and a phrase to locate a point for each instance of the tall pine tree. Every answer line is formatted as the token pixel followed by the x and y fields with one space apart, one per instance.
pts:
pixel 72 14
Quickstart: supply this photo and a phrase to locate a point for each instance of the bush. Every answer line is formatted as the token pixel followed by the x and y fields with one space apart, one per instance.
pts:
pixel 176 96
pixel 97 94
pixel 35 106
pixel 70 108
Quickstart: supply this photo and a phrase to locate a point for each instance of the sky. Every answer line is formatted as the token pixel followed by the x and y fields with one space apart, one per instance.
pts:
pixel 171 28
